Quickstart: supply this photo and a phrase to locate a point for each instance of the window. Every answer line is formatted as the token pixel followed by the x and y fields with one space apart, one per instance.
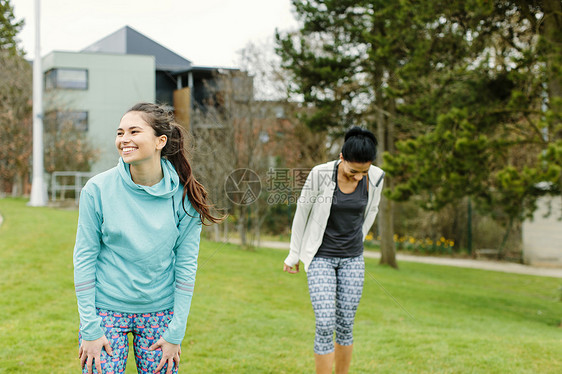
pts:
pixel 74 79
pixel 55 121
pixel 279 112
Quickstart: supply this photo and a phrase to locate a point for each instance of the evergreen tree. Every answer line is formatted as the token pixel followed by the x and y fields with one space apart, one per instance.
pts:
pixel 9 28
pixel 495 133
pixel 471 90
pixel 370 63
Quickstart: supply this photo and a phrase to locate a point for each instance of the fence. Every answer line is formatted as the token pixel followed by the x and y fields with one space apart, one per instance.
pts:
pixel 79 177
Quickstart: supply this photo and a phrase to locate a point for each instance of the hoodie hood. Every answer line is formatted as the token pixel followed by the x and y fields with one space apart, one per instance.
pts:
pixel 166 188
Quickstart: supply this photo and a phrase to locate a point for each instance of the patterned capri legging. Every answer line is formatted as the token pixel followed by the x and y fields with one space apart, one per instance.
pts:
pixel 335 286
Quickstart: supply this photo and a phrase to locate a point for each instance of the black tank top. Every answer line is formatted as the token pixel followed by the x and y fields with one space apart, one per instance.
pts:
pixel 343 236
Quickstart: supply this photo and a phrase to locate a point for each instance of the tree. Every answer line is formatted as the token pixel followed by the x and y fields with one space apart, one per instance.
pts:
pixel 550 47
pixel 66 147
pixel 15 121
pixel 295 144
pixel 493 131
pixel 229 135
pixel 9 28
pixel 246 123
pixel 15 105
pixel 354 62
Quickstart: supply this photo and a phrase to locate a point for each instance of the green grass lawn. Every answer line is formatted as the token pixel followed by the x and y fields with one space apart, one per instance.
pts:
pixel 248 316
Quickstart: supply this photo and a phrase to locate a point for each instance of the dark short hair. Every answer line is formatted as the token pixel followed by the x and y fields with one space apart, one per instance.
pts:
pixel 360 145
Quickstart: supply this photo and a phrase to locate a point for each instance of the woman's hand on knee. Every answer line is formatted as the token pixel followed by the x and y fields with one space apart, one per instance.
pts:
pixel 289 269
pixel 90 350
pixel 170 354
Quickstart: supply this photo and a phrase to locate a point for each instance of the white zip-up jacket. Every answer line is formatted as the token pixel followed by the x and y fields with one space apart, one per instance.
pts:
pixel 313 210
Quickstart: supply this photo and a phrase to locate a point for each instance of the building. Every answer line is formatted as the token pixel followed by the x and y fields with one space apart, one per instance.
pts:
pixel 94 87
pixel 93 90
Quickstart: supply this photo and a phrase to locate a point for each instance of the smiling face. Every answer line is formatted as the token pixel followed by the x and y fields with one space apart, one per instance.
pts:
pixel 136 140
pixel 354 171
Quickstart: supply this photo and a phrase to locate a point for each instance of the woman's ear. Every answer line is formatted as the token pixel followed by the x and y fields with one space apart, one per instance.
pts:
pixel 162 141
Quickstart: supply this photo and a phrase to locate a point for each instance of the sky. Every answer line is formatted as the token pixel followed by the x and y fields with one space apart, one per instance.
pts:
pixel 206 32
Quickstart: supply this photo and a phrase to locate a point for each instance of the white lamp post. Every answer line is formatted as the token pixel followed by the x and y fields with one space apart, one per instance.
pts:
pixel 38 188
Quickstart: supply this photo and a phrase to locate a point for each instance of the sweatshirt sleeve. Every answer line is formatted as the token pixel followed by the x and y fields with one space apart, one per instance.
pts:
pixel 374 208
pixel 304 206
pixel 86 250
pixel 187 250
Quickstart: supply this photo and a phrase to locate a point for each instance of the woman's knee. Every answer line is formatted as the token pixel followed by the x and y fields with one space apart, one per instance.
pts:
pixel 325 326
pixel 344 334
pixel 344 325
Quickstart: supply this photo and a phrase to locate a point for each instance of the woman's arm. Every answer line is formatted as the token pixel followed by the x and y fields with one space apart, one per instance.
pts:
pixel 86 251
pixel 306 200
pixel 370 216
pixel 187 250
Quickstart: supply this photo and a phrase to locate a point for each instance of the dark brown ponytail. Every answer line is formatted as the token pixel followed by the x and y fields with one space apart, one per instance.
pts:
pixel 163 123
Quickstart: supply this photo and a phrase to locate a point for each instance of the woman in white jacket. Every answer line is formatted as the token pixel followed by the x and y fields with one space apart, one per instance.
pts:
pixel 337 207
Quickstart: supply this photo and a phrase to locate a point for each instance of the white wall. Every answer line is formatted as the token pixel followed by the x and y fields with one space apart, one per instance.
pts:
pixel 542 237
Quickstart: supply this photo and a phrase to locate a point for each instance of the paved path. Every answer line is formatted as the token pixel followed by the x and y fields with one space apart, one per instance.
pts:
pixel 506 267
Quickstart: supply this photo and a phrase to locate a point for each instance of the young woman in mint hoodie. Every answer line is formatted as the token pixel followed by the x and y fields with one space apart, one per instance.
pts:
pixel 136 248
pixel 337 207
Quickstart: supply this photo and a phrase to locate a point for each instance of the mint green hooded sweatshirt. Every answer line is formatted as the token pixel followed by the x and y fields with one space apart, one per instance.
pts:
pixel 136 249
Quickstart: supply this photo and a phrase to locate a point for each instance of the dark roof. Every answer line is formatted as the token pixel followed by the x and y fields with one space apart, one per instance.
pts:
pixel 131 42
pixel 204 69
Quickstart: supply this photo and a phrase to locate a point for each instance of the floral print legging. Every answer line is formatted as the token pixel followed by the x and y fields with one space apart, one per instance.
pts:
pixel 335 285
pixel 146 328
